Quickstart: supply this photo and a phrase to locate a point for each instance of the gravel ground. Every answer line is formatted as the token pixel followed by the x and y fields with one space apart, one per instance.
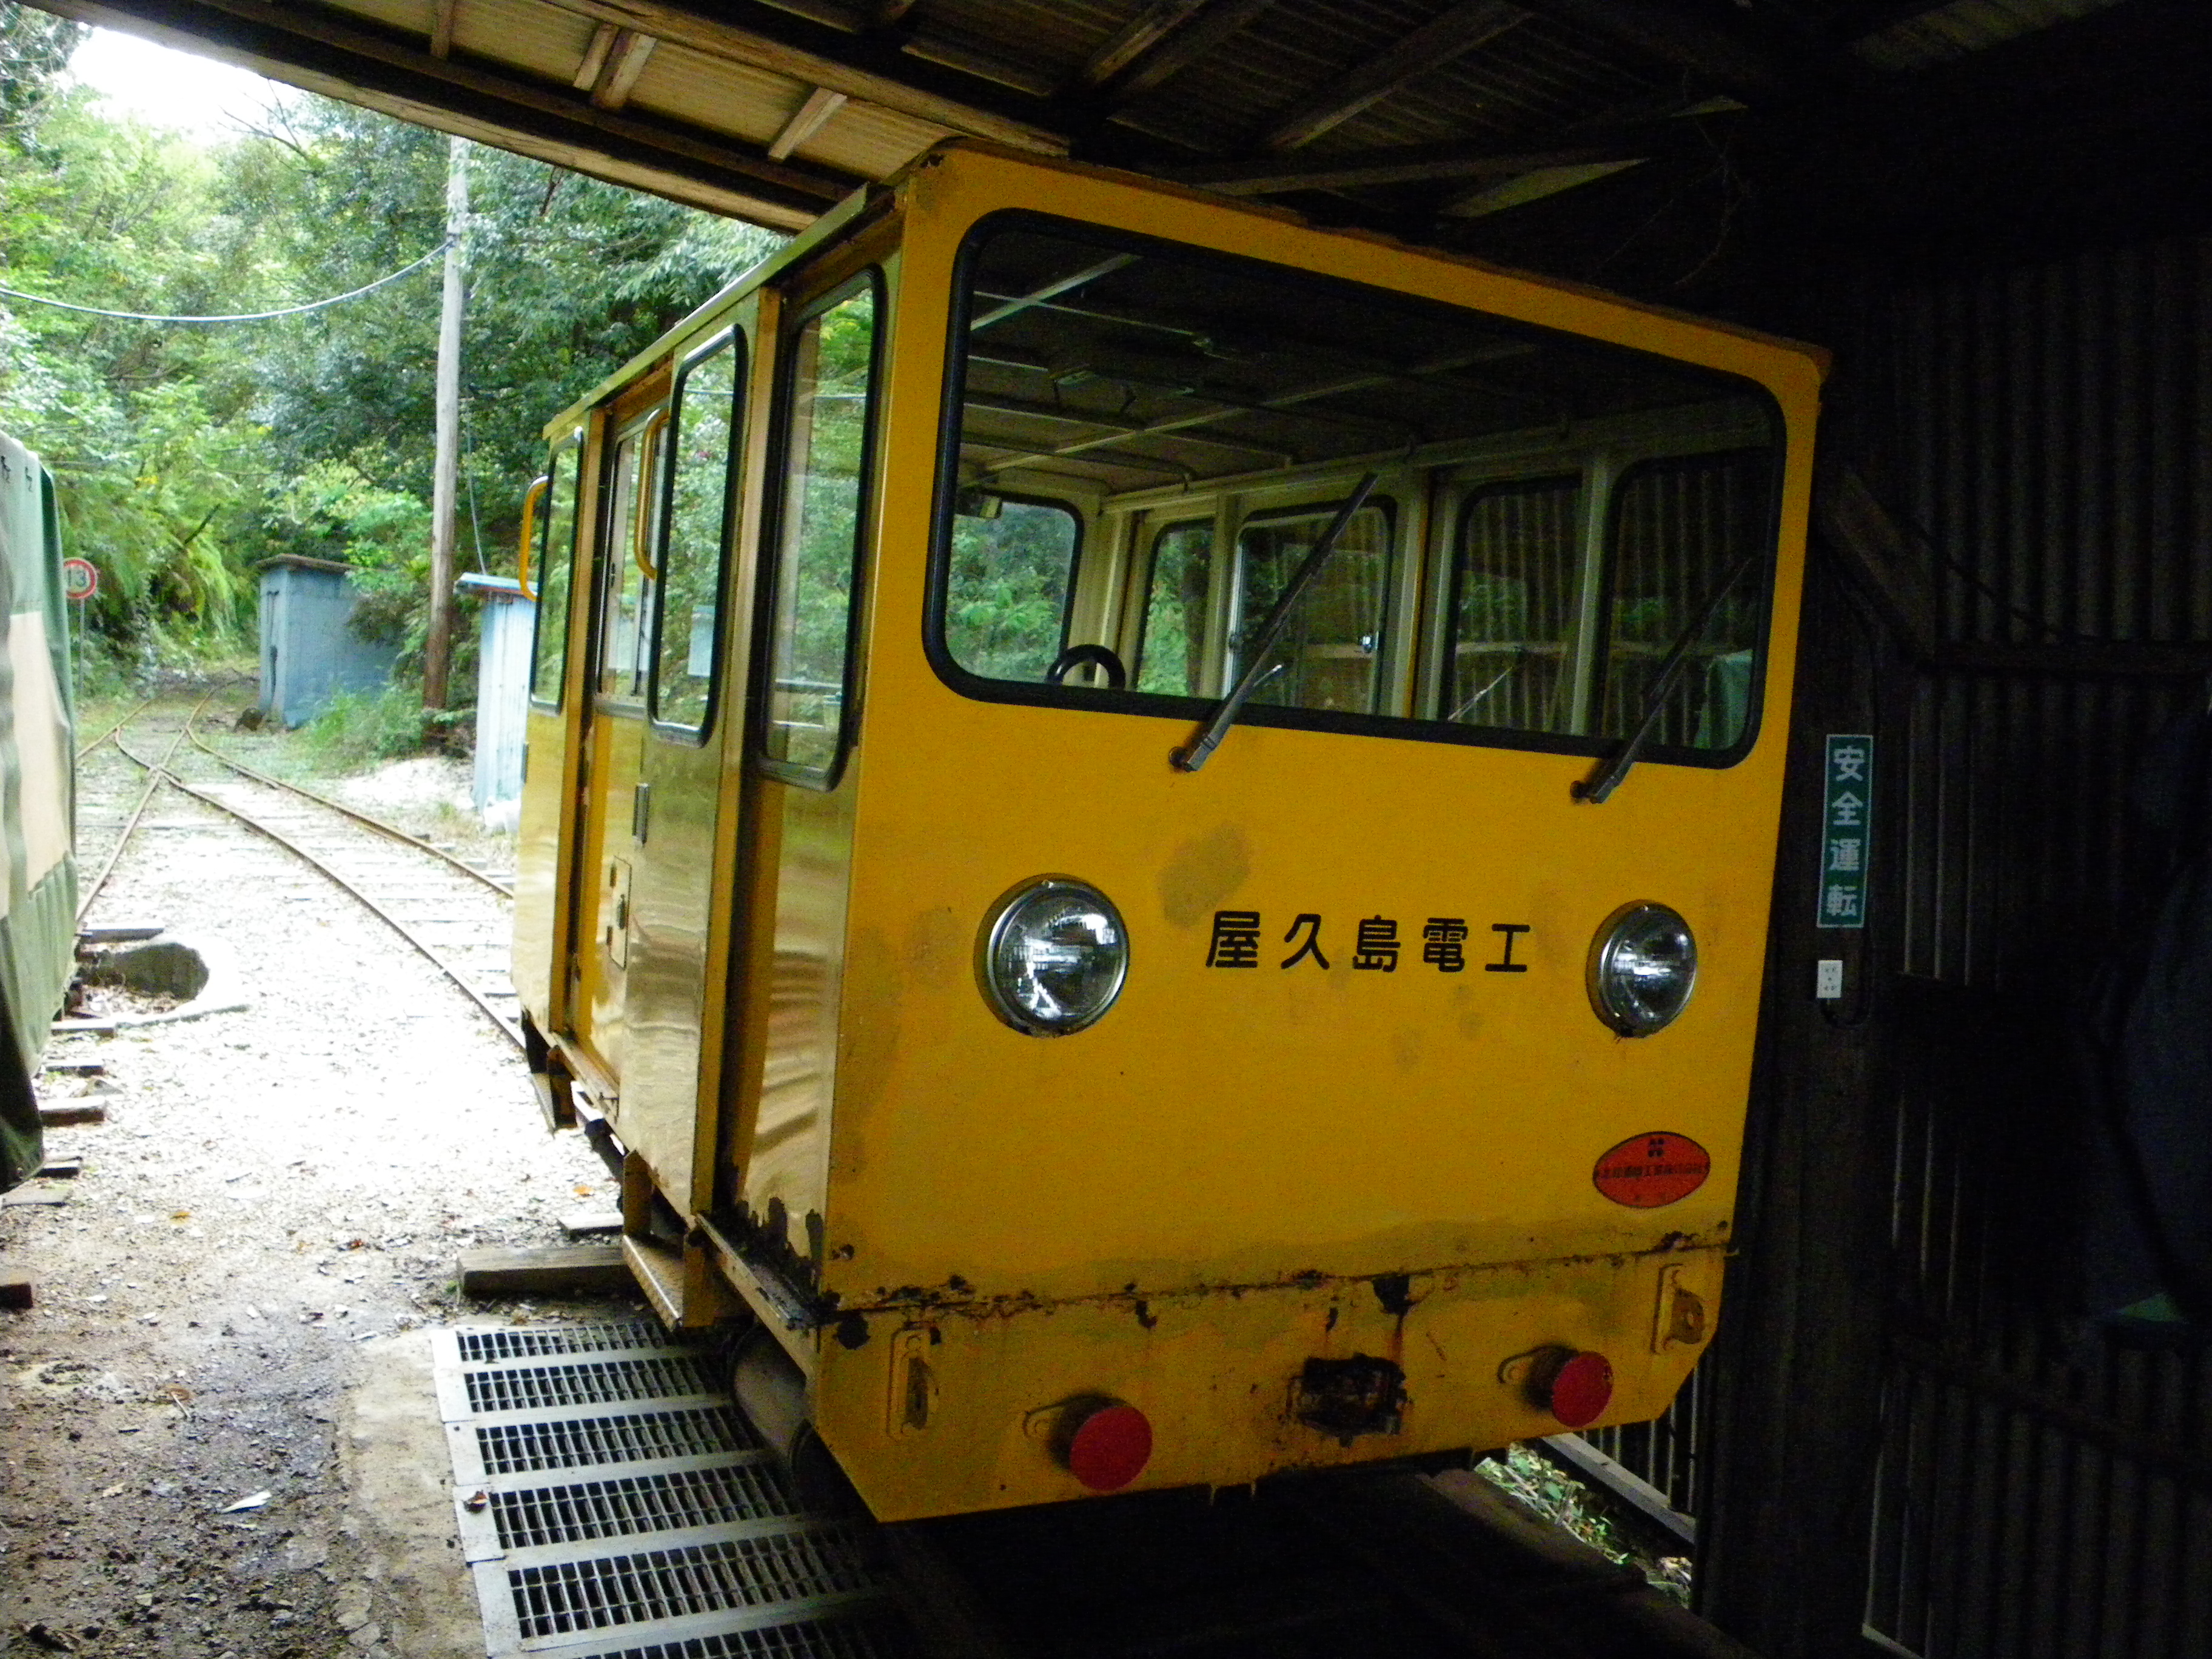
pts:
pixel 272 1189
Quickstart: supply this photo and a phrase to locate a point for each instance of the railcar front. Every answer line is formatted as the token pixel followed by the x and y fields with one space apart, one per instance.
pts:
pixel 1161 844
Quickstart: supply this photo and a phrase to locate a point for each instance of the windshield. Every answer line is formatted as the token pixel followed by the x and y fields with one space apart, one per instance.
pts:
pixel 1550 512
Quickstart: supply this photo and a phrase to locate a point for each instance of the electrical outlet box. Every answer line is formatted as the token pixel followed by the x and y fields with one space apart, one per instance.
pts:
pixel 1828 979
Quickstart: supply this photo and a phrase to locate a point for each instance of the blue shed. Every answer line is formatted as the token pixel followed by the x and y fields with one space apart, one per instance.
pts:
pixel 308 652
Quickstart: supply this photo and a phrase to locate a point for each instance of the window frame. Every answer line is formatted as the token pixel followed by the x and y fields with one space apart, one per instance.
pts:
pixel 775 482
pixel 736 341
pixel 1142 591
pixel 1452 552
pixel 1421 728
pixel 573 442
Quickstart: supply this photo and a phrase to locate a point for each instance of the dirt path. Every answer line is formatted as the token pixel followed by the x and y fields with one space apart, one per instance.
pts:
pixel 276 1193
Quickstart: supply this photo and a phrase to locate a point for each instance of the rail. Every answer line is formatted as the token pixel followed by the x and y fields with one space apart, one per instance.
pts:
pixel 160 772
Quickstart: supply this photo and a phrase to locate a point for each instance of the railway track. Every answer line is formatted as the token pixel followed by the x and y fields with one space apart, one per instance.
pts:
pixel 1389 1563
pixel 454 914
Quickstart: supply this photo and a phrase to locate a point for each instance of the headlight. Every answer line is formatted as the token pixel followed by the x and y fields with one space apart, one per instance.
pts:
pixel 1053 956
pixel 1642 968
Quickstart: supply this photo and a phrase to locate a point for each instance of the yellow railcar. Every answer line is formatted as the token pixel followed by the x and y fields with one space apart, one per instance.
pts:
pixel 1154 827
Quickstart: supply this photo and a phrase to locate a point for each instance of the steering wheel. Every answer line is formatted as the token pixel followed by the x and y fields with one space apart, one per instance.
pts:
pixel 1097 655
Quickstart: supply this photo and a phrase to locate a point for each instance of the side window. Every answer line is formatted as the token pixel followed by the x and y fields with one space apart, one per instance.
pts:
pixel 700 472
pixel 827 376
pixel 1174 651
pixel 1689 537
pixel 554 560
pixel 1332 644
pixel 1512 609
pixel 626 591
pixel 1013 564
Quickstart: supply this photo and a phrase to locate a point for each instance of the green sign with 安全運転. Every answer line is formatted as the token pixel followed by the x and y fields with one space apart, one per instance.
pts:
pixel 1847 831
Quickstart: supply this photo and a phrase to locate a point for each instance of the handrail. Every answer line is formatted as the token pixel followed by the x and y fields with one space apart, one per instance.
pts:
pixel 531 497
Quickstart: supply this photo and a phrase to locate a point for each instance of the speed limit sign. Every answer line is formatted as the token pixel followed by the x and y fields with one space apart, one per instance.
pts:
pixel 79 581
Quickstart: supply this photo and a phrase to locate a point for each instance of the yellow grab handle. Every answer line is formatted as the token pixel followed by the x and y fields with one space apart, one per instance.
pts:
pixel 648 442
pixel 531 497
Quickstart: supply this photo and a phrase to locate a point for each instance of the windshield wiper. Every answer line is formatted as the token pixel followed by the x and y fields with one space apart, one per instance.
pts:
pixel 1257 668
pixel 1611 770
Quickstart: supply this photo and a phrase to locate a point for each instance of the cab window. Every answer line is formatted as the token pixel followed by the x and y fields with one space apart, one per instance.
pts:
pixel 1013 568
pixel 1513 607
pixel 1173 659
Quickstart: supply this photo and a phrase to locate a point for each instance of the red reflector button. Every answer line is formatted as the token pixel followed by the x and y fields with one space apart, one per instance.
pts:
pixel 1110 1448
pixel 1582 1389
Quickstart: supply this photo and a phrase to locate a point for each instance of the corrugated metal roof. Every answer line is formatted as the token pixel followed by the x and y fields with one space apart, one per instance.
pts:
pixel 1190 82
pixel 1965 26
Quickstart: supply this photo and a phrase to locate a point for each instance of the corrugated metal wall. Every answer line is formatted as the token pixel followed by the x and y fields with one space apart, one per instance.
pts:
pixel 2043 1489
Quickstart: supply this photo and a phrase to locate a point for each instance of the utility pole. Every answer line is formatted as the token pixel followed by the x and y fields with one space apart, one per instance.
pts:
pixel 438 643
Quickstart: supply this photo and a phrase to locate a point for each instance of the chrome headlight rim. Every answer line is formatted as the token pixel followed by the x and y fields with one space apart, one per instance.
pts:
pixel 1001 916
pixel 1622 1014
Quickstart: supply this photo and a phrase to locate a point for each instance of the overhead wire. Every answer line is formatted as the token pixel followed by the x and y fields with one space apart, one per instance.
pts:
pixel 240 316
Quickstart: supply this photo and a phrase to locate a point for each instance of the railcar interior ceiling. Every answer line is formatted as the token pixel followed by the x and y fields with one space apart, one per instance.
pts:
pixel 1652 145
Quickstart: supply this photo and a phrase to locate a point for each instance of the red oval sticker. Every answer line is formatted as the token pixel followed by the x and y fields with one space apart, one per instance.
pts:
pixel 1646 1171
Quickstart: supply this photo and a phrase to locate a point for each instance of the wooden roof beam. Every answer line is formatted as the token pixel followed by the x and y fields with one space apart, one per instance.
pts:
pixel 442 27
pixel 808 118
pixel 1453 33
pixel 625 62
pixel 1184 36
pixel 1420 163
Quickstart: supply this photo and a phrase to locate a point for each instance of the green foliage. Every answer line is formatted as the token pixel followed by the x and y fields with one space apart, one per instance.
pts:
pixel 185 455
pixel 356 729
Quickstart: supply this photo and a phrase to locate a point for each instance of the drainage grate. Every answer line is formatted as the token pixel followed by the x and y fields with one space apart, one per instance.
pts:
pixel 576 1443
pixel 671 1583
pixel 522 1388
pixel 479 1345
pixel 642 1503
pixel 612 1507
pixel 843 1638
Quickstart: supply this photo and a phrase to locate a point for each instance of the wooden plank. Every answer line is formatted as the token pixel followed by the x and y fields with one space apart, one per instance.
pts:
pixel 71 1112
pixel 22 1197
pixel 84 1028
pixel 74 1067
pixel 582 1224
pixel 61 1169
pixel 17 1288
pixel 580 1269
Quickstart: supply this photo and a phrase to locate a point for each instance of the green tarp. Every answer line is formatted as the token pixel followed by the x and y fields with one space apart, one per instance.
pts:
pixel 38 797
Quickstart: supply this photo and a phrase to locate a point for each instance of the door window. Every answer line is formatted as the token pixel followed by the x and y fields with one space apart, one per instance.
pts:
pixel 826 389
pixel 626 590
pixel 700 490
pixel 553 561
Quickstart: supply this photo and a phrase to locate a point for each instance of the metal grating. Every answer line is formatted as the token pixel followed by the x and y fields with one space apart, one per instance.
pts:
pixel 642 1503
pixel 477 1346
pixel 578 1443
pixel 591 1383
pixel 843 1638
pixel 673 1584
pixel 605 1512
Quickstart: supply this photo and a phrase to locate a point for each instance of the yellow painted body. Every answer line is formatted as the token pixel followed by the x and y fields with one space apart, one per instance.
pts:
pixel 1182 1206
